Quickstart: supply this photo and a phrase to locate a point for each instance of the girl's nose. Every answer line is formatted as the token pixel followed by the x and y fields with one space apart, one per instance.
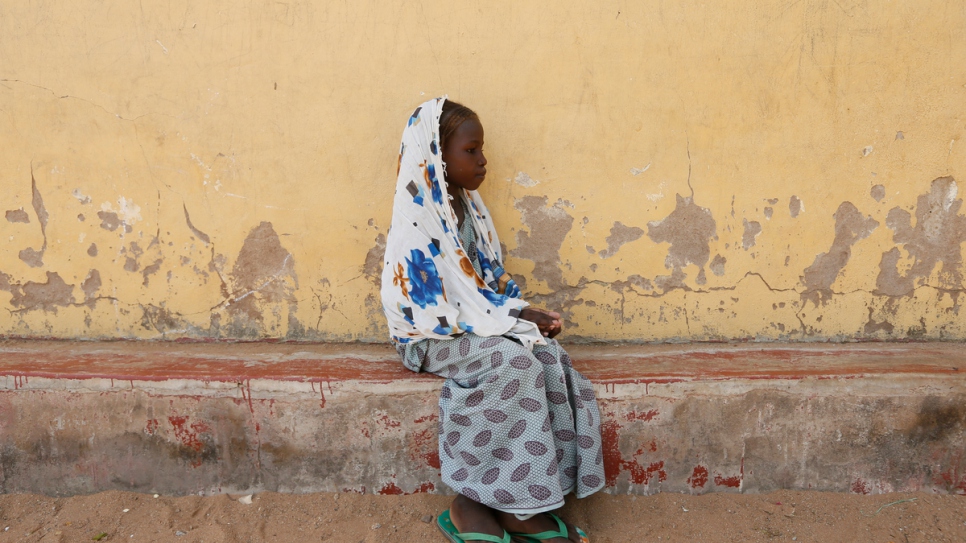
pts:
pixel 482 159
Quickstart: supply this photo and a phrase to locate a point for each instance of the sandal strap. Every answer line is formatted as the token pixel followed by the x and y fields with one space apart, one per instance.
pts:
pixel 549 534
pixel 473 536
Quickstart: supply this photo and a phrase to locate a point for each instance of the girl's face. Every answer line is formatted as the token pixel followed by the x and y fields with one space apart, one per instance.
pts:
pixel 463 155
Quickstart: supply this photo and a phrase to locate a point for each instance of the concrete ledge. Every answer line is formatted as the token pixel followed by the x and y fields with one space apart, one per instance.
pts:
pixel 181 418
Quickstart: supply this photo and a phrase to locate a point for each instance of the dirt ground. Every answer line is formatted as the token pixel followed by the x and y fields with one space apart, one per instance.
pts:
pixel 713 518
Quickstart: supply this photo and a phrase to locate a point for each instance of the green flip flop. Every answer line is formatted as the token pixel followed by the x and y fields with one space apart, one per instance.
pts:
pixel 561 532
pixel 445 525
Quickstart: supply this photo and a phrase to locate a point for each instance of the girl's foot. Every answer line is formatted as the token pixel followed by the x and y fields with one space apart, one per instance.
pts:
pixel 470 516
pixel 536 524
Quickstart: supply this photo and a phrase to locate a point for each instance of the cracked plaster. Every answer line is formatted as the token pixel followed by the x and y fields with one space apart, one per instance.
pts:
pixel 201 154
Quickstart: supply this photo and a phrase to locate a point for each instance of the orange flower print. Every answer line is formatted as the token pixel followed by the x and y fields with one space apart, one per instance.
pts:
pixel 399 279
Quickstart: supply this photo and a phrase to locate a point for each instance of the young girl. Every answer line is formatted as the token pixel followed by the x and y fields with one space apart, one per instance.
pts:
pixel 519 428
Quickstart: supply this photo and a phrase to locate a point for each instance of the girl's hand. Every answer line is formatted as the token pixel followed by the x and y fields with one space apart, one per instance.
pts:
pixel 548 322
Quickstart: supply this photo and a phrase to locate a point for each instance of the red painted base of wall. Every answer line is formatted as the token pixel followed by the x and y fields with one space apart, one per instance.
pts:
pixel 182 417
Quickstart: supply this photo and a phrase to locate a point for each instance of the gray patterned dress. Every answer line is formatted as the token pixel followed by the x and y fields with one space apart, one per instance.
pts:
pixel 518 430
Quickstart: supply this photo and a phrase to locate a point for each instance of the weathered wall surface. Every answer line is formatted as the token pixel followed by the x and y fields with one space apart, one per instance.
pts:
pixel 78 417
pixel 659 171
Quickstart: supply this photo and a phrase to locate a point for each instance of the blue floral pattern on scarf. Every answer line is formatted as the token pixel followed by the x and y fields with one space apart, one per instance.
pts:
pixel 423 278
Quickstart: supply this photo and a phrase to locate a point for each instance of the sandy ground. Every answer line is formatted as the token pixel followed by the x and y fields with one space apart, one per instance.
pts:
pixel 779 516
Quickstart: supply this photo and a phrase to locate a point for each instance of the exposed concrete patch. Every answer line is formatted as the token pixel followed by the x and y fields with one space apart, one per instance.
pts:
pixel 795 206
pixel 45 296
pixel 619 235
pixel 151 270
pixel 160 319
pixel 675 280
pixel 871 326
pixel 877 192
pixel 374 261
pixel 372 269
pixel 33 257
pixel 769 211
pixel 635 280
pixel 198 233
pixel 92 250
pixel 525 180
pixel 752 230
pixel 125 216
pixel 850 227
pixel 131 263
pixel 689 229
pixel 111 222
pixel 304 418
pixel 939 232
pixel 90 286
pixel 17 215
pixel 717 265
pixel 548 226
pixel 263 273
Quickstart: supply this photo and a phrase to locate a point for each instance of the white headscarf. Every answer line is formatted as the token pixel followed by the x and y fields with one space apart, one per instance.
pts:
pixel 429 286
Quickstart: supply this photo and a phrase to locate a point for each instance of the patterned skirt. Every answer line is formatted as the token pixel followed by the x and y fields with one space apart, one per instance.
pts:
pixel 518 430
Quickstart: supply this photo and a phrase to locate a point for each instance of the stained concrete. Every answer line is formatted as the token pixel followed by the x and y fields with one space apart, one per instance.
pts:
pixel 180 418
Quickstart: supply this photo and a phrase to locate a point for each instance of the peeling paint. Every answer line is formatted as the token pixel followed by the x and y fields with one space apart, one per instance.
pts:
pixel 198 233
pixel 33 257
pixel 264 273
pixel 877 192
pixel 525 180
pixel 548 226
pixel 17 215
pixel 46 296
pixel 752 230
pixel 159 319
pixel 689 229
pixel 127 211
pixel 150 270
pixel 90 286
pixel 872 327
pixel 111 222
pixel 937 237
pixel 717 265
pixel 115 170
pixel 374 260
pixel 131 263
pixel 620 235
pixel 850 227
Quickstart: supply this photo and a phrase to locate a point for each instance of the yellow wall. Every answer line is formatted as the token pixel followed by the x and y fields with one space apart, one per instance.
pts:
pixel 226 169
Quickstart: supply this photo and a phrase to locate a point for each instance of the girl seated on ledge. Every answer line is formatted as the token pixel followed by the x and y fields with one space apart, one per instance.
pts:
pixel 519 428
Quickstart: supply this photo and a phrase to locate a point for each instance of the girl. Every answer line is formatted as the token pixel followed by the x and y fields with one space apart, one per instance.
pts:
pixel 519 428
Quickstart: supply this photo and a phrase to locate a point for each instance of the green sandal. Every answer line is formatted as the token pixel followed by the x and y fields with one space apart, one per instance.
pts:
pixel 561 532
pixel 446 526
